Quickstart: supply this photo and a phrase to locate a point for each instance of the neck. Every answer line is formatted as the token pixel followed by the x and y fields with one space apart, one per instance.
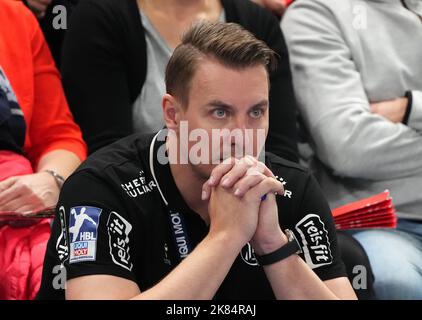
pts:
pixel 172 17
pixel 189 185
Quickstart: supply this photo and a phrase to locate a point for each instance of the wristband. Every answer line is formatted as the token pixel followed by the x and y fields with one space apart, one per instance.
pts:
pixel 59 179
pixel 409 97
pixel 292 247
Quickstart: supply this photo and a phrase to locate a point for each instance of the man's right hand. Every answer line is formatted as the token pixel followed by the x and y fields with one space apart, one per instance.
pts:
pixel 233 207
pixel 232 215
pixel 393 110
pixel 38 7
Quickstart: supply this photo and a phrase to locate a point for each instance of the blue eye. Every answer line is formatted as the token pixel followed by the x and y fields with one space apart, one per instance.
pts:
pixel 219 113
pixel 256 113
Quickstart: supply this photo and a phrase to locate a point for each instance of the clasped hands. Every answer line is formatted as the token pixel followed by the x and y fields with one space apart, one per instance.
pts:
pixel 241 202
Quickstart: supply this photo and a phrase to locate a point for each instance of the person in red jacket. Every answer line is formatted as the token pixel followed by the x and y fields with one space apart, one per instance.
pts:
pixel 276 6
pixel 40 145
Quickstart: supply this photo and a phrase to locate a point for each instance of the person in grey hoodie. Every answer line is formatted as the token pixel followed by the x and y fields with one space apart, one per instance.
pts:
pixel 357 74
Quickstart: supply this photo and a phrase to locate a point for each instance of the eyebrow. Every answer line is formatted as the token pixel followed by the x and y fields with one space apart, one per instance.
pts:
pixel 223 105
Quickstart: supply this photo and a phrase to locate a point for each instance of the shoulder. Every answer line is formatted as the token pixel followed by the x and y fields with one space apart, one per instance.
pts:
pixel 128 154
pixel 13 11
pixel 115 177
pixel 123 12
pixel 279 164
pixel 329 4
pixel 306 9
pixel 109 5
pixel 294 177
pixel 14 8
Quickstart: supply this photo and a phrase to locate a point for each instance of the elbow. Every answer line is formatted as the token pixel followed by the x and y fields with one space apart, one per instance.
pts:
pixel 346 161
pixel 342 151
pixel 341 164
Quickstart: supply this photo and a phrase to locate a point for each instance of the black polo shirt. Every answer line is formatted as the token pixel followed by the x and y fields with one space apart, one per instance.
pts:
pixel 121 214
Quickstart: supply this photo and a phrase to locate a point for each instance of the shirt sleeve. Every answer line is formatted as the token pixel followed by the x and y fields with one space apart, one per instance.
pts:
pixel 316 234
pixel 52 126
pixel 415 116
pixel 96 230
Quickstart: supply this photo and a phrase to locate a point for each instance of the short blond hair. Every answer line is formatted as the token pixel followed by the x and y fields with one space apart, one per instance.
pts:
pixel 229 43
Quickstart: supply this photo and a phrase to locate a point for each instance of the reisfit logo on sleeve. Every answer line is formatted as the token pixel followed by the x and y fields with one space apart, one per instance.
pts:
pixel 118 234
pixel 62 241
pixel 315 244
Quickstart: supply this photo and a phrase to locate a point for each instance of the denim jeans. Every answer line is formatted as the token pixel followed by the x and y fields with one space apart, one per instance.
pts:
pixel 396 259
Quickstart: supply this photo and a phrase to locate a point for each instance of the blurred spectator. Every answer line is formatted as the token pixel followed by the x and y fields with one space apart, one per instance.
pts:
pixel 39 7
pixel 116 51
pixel 40 145
pixel 276 6
pixel 357 77
pixel 45 11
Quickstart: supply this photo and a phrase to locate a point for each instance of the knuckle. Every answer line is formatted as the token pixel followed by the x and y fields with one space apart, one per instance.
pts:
pixel 247 161
pixel 260 177
pixel 255 179
pixel 237 185
pixel 26 187
pixel 270 182
pixel 261 165
pixel 252 172
pixel 20 185
pixel 252 159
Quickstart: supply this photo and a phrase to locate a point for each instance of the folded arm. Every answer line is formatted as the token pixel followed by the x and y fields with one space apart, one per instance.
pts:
pixel 347 136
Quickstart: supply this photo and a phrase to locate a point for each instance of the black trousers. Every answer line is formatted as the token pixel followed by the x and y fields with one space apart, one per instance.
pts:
pixel 356 260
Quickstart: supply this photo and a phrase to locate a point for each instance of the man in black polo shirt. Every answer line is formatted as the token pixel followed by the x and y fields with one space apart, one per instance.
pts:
pixel 159 217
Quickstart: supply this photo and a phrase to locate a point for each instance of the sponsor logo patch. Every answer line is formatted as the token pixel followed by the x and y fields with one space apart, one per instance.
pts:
pixel 314 241
pixel 138 186
pixel 248 255
pixel 62 242
pixel 118 234
pixel 287 193
pixel 83 229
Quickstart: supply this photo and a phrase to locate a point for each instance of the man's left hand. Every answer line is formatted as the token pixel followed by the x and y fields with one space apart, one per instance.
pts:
pixel 268 236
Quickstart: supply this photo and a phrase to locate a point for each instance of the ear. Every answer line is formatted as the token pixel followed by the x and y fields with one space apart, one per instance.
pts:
pixel 171 112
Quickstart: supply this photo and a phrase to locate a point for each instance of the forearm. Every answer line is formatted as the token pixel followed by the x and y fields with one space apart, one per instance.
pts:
pixel 291 278
pixel 61 161
pixel 200 274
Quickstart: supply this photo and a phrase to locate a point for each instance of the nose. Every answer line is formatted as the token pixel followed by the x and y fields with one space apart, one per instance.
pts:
pixel 238 135
pixel 240 122
pixel 237 127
